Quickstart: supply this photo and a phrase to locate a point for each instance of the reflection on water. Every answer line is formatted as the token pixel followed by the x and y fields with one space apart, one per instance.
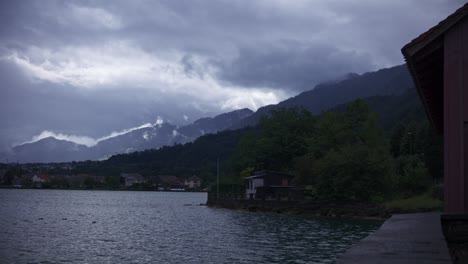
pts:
pixel 54 226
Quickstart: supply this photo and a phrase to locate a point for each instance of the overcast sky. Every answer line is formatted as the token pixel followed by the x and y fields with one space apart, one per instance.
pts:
pixel 90 68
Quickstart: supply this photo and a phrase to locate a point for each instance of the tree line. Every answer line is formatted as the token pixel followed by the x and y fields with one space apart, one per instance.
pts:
pixel 344 156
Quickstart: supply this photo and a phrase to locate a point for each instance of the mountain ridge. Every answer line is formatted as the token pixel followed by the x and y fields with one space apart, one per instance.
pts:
pixel 389 81
pixel 51 149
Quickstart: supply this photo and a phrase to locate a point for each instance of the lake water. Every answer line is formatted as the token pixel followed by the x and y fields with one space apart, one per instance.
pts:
pixel 61 226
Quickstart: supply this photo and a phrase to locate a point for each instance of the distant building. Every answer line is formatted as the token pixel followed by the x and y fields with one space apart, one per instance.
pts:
pixel 130 179
pixel 170 183
pixel 267 183
pixel 192 182
pixel 39 180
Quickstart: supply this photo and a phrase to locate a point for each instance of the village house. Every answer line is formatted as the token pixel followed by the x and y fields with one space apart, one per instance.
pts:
pixel 39 180
pixel 192 182
pixel 267 184
pixel 170 183
pixel 130 179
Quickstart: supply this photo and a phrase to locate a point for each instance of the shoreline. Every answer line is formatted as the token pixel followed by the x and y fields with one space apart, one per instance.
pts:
pixel 324 209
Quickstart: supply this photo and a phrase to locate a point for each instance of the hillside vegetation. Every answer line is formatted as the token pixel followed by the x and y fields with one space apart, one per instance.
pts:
pixel 367 150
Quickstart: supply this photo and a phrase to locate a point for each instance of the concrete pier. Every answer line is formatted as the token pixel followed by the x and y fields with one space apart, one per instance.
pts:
pixel 404 238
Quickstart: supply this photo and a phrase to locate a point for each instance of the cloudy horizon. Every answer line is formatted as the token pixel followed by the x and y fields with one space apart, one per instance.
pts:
pixel 83 70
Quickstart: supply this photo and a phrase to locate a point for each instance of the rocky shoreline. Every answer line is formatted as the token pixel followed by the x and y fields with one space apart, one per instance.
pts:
pixel 324 209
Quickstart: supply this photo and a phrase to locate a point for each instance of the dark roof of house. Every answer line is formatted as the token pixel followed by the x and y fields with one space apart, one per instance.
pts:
pixel 424 56
pixel 169 179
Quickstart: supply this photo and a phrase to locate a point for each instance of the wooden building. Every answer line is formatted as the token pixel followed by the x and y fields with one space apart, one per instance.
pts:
pixel 267 183
pixel 438 62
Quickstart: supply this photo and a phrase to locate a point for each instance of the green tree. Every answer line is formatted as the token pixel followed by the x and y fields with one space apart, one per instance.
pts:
pixel 89 182
pixel 349 156
pixel 420 139
pixel 353 173
pixel 113 181
pixel 280 137
pixel 304 170
pixel 395 139
pixel 412 176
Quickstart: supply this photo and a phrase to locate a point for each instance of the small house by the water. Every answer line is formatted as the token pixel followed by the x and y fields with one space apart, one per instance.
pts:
pixel 267 183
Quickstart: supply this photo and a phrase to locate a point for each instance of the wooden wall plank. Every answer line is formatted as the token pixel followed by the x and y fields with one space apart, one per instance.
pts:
pixel 455 114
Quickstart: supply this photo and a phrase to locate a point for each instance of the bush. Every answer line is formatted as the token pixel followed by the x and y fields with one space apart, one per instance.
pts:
pixel 412 176
pixel 354 172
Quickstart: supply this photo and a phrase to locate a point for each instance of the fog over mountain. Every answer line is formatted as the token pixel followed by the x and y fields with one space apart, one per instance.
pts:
pixel 86 70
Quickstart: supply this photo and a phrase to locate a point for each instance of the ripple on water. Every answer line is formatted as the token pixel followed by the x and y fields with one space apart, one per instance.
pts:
pixel 53 226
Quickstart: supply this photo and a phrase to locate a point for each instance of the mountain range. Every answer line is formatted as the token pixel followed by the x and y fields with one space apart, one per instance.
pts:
pixel 160 134
pixel 373 85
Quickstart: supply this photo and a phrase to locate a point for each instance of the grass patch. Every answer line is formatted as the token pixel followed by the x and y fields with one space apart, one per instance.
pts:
pixel 423 201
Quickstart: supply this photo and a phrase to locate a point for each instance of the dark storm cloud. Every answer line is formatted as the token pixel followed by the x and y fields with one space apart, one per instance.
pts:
pixel 93 67
pixel 259 43
pixel 286 44
pixel 27 109
pixel 292 65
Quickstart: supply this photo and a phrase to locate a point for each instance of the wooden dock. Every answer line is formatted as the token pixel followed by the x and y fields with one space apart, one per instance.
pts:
pixel 404 238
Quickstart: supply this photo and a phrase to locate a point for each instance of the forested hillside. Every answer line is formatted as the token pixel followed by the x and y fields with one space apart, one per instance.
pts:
pixel 378 141
pixel 385 82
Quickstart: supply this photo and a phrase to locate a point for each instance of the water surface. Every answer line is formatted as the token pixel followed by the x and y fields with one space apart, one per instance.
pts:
pixel 62 226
